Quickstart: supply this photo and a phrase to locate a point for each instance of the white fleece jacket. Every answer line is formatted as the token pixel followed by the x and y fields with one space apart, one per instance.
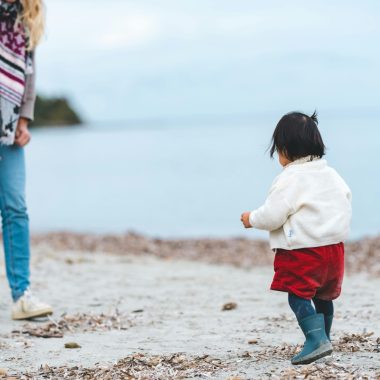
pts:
pixel 309 205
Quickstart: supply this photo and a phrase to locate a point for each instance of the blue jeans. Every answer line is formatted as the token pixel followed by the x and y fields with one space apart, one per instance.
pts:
pixel 15 221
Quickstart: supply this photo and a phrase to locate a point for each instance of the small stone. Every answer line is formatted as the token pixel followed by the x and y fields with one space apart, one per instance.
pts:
pixel 253 341
pixel 3 372
pixel 72 345
pixel 229 306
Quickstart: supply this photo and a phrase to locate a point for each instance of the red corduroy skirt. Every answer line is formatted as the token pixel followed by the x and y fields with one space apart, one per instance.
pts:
pixel 310 272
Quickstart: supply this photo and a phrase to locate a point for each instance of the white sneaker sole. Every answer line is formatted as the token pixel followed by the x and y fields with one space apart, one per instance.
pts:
pixel 32 314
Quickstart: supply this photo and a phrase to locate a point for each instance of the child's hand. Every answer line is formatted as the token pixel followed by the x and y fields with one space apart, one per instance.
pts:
pixel 245 219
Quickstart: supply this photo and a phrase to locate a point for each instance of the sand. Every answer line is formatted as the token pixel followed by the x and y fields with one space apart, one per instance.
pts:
pixel 145 309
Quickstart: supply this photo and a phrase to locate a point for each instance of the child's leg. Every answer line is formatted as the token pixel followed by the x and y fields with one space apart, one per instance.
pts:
pixel 327 309
pixel 317 345
pixel 301 307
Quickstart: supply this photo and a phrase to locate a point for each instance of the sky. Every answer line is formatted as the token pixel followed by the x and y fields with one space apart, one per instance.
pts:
pixel 181 59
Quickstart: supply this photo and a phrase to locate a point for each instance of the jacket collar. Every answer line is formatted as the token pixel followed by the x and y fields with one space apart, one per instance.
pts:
pixel 303 160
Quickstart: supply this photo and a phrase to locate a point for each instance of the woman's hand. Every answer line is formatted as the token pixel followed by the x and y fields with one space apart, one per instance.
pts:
pixel 245 219
pixel 22 136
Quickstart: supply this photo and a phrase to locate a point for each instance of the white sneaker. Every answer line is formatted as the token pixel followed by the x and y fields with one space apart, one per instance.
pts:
pixel 28 306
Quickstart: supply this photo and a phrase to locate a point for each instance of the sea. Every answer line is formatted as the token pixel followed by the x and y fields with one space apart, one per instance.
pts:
pixel 181 179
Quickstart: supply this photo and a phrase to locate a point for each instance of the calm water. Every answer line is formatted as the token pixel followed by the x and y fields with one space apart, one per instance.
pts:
pixel 180 180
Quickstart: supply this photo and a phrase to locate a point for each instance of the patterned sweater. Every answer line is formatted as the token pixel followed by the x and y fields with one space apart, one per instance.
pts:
pixel 29 98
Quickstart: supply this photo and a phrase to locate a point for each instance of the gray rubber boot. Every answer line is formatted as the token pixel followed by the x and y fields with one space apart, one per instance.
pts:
pixel 328 323
pixel 317 344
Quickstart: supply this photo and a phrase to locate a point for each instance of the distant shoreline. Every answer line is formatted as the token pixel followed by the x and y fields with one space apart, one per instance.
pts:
pixel 362 255
pixel 55 112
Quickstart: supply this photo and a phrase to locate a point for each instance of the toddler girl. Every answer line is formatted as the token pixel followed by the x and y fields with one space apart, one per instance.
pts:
pixel 308 214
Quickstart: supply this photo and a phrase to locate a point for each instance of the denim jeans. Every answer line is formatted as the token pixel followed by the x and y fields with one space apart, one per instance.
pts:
pixel 15 221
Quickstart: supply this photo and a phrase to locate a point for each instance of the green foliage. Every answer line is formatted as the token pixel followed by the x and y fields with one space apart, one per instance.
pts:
pixel 54 112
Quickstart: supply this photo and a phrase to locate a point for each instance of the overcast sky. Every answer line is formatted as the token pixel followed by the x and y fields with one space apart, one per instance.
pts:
pixel 124 59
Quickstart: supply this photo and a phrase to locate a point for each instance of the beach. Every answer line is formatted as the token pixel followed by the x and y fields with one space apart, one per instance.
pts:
pixel 139 148
pixel 133 307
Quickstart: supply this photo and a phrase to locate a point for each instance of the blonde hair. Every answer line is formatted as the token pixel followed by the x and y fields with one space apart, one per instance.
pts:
pixel 33 19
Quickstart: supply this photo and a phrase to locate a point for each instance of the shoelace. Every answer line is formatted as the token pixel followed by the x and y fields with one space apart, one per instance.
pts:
pixel 31 297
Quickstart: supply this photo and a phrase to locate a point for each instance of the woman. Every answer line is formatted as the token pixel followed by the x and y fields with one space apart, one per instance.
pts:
pixel 21 27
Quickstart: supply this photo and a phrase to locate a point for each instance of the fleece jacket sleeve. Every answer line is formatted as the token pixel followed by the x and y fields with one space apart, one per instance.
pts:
pixel 276 209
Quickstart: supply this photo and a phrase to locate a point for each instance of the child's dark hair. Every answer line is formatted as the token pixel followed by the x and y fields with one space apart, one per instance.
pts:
pixel 296 136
